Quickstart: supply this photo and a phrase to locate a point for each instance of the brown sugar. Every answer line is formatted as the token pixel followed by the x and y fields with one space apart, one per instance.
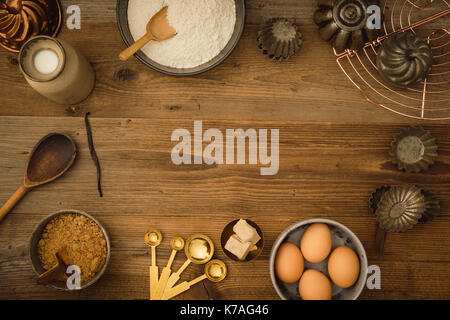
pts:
pixel 83 242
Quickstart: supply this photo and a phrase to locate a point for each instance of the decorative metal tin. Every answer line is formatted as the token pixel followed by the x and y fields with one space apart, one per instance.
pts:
pixel 376 198
pixel 344 23
pixel 400 208
pixel 22 19
pixel 279 39
pixel 432 207
pixel 427 100
pixel 414 149
pixel 404 59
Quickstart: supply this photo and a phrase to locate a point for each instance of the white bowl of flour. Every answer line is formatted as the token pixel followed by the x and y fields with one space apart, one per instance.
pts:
pixel 207 32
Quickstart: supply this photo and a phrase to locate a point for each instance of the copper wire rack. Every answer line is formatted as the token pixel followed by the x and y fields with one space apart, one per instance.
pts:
pixel 428 100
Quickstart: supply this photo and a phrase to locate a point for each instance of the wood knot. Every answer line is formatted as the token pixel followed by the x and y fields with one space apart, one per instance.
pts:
pixel 174 108
pixel 124 75
pixel 72 110
pixel 13 61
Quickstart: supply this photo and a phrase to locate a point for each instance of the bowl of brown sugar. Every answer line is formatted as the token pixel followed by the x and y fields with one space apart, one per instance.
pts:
pixel 83 240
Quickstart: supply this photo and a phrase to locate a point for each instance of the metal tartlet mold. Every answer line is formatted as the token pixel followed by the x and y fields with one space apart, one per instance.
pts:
pixel 404 59
pixel 400 208
pixel 21 20
pixel 432 207
pixel 414 149
pixel 375 198
pixel 343 23
pixel 279 39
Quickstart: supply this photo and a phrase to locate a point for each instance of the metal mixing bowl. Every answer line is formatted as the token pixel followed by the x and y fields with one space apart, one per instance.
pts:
pixel 341 235
pixel 34 255
pixel 122 21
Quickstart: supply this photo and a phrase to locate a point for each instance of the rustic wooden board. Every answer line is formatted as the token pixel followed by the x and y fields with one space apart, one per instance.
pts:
pixel 309 87
pixel 326 170
pixel 333 154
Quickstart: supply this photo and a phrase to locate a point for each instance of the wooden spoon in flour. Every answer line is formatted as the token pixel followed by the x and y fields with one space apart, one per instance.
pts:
pixel 158 29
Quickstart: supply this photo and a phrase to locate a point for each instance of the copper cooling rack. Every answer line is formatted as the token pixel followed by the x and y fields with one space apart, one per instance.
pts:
pixel 428 100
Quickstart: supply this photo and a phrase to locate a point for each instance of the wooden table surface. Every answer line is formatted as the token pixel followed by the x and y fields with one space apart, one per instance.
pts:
pixel 334 151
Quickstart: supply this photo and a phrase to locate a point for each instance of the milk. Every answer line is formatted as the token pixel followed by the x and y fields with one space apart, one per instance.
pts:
pixel 46 61
pixel 56 70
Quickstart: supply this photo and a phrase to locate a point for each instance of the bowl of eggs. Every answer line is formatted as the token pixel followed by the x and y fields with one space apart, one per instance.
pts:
pixel 318 259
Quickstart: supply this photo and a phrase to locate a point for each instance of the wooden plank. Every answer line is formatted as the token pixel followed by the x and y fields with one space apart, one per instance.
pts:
pixel 326 170
pixel 309 87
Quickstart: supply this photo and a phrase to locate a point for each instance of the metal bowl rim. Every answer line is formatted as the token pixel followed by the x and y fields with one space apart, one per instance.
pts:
pixel 288 230
pixel 46 220
pixel 185 74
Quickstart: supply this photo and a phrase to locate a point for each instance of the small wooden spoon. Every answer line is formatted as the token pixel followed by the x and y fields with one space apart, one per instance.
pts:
pixel 49 160
pixel 158 29
pixel 59 269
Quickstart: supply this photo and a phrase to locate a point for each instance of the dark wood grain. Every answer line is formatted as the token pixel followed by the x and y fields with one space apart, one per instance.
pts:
pixel 326 170
pixel 308 87
pixel 333 153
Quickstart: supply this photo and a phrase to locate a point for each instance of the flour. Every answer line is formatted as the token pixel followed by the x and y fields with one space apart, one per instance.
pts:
pixel 204 28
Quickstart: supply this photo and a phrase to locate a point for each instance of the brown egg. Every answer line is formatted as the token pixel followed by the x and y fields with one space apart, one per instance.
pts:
pixel 343 267
pixel 314 285
pixel 289 263
pixel 316 242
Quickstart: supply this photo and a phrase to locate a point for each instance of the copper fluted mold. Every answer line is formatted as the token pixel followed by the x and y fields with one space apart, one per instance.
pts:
pixel 22 19
pixel 400 208
pixel 344 23
pixel 428 99
pixel 414 149
pixel 279 39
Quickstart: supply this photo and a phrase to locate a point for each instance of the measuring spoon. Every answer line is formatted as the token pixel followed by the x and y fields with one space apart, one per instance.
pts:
pixel 52 156
pixel 153 238
pixel 176 244
pixel 215 271
pixel 199 249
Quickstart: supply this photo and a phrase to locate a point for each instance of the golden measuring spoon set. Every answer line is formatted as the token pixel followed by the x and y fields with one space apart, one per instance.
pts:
pixel 199 249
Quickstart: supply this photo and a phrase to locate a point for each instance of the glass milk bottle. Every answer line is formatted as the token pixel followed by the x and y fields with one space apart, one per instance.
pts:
pixel 56 70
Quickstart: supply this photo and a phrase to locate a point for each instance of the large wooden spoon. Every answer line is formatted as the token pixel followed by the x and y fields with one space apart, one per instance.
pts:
pixel 158 29
pixel 49 160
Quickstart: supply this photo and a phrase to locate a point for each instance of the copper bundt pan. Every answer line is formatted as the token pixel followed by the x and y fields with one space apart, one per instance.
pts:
pixel 22 19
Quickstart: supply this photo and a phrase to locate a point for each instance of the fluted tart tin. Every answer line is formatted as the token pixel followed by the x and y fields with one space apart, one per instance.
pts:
pixel 400 208
pixel 432 207
pixel 21 20
pixel 279 39
pixel 414 149
pixel 376 196
pixel 404 59
pixel 343 23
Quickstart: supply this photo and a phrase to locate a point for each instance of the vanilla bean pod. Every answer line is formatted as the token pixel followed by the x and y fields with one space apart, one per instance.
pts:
pixel 94 154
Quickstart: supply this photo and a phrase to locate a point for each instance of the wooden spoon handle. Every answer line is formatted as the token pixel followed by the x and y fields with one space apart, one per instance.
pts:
pixel 128 52
pixel 51 274
pixel 15 198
